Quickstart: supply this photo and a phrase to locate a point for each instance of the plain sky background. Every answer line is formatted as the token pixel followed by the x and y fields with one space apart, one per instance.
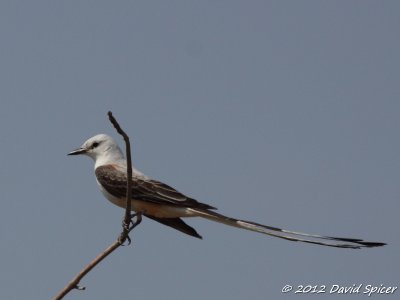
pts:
pixel 281 112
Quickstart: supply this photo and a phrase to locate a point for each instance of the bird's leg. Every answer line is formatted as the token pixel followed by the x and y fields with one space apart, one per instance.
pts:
pixel 138 220
pixel 128 227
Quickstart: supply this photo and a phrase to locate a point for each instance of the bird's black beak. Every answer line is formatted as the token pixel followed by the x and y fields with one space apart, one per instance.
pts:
pixel 78 151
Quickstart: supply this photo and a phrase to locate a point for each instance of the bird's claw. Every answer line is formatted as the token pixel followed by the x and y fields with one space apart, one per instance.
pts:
pixel 124 236
pixel 128 227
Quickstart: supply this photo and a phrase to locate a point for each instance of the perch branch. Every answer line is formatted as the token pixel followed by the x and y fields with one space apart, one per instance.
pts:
pixel 128 225
pixel 127 218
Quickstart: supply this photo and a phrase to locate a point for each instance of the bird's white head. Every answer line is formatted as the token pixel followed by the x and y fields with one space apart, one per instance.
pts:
pixel 102 149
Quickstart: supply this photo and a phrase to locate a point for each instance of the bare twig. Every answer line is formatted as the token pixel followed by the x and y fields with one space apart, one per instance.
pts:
pixel 127 218
pixel 128 225
pixel 73 284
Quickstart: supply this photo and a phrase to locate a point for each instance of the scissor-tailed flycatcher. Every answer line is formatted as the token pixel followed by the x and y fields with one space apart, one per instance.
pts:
pixel 164 204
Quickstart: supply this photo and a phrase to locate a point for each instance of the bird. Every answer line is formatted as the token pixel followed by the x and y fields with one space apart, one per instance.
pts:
pixel 166 205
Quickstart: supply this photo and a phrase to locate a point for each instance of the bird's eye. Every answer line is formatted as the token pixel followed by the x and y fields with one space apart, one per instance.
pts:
pixel 95 144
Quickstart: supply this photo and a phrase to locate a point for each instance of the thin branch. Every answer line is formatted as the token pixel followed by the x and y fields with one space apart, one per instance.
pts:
pixel 128 225
pixel 73 284
pixel 127 218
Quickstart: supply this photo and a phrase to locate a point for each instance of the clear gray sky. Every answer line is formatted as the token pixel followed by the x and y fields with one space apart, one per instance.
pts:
pixel 281 112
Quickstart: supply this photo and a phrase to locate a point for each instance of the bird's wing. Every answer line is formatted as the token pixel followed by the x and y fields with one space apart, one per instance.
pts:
pixel 114 182
pixel 178 224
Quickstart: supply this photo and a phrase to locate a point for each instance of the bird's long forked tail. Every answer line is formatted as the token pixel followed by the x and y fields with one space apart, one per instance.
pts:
pixel 286 234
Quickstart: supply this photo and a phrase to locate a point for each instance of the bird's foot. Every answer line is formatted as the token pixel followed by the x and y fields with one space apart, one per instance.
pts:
pixel 128 227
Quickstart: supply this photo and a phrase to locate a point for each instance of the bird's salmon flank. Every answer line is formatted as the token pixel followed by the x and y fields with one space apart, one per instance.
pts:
pixel 164 204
